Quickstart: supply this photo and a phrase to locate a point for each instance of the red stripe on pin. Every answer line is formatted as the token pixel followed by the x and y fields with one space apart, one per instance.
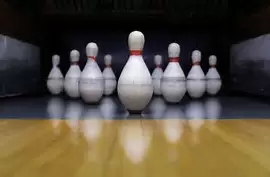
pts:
pixel 92 57
pixel 74 63
pixel 175 59
pixel 135 52
pixel 196 63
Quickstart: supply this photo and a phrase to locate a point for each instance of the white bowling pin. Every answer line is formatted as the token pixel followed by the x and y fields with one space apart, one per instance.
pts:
pixel 157 75
pixel 109 77
pixel 173 123
pixel 196 83
pixel 135 88
pixel 91 84
pixel 55 82
pixel 73 113
pixel 173 86
pixel 72 77
pixel 213 78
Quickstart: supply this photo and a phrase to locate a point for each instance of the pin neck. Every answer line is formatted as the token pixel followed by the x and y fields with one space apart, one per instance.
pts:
pixel 74 63
pixel 91 57
pixel 136 52
pixel 212 66
pixel 158 66
pixel 108 66
pixel 196 63
pixel 174 59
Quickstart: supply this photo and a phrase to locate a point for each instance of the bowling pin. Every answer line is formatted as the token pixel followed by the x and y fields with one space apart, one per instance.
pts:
pixel 109 77
pixel 196 83
pixel 213 78
pixel 91 84
pixel 135 88
pixel 72 77
pixel 157 75
pixel 173 85
pixel 55 82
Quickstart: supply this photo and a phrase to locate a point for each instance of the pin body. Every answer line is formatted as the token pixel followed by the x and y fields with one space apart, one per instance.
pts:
pixel 91 84
pixel 135 87
pixel 55 82
pixel 173 86
pixel 213 78
pixel 196 83
pixel 109 76
pixel 72 77
pixel 157 75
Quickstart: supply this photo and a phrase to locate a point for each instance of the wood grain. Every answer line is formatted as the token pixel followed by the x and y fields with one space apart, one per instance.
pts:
pixel 135 148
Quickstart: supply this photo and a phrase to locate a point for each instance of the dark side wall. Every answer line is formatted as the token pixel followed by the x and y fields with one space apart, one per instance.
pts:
pixel 19 58
pixel 250 60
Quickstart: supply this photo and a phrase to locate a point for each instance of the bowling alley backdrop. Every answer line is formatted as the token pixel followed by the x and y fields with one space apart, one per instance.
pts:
pixel 36 30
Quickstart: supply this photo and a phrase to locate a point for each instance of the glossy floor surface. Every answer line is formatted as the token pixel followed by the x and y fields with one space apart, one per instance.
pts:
pixel 135 148
pixel 57 137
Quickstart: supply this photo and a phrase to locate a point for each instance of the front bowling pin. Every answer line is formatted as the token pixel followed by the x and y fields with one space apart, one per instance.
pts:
pixel 91 84
pixel 55 82
pixel 213 78
pixel 173 86
pixel 72 77
pixel 135 88
pixel 157 75
pixel 196 84
pixel 109 77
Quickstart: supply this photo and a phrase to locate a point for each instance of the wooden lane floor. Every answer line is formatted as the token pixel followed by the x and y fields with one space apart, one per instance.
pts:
pixel 135 148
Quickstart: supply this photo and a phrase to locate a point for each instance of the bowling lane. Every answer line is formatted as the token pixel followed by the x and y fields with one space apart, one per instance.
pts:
pixel 111 108
pixel 158 148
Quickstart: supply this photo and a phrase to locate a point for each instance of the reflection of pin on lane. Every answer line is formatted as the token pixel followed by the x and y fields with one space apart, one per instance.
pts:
pixel 195 113
pixel 213 111
pixel 55 110
pixel 135 139
pixel 173 130
pixel 108 108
